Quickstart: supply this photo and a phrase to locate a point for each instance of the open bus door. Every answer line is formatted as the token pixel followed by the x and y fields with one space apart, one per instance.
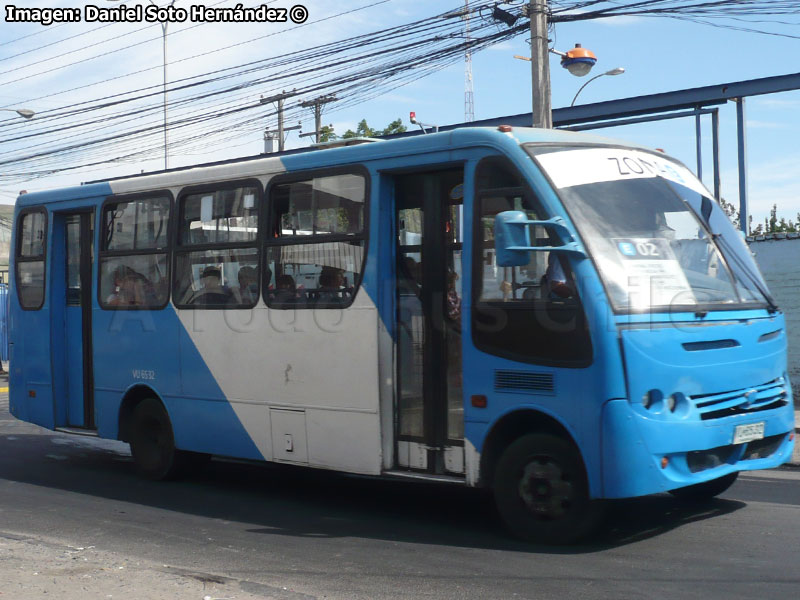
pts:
pixel 430 406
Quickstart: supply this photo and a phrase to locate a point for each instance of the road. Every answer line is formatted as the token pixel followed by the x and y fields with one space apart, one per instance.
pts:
pixel 75 520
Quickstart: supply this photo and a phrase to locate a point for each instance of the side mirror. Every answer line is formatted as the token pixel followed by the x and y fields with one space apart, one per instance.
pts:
pixel 512 238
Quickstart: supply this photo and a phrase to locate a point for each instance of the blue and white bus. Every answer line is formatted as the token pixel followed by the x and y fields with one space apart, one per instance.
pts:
pixel 555 316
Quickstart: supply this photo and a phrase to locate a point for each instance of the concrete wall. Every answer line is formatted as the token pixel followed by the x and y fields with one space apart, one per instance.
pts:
pixel 779 260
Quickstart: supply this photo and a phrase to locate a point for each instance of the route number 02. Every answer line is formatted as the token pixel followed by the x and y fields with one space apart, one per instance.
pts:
pixel 647 249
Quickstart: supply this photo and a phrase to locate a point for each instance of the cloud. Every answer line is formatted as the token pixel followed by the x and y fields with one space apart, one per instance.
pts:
pixel 765 124
pixel 770 182
pixel 778 103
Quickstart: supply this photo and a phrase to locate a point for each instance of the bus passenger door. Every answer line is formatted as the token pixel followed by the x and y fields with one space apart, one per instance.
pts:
pixel 429 396
pixel 72 291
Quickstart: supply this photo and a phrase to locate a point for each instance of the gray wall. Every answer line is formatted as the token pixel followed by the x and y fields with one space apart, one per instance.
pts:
pixel 779 260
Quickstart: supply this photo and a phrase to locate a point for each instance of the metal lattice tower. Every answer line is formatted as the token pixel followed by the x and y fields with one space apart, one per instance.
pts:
pixel 469 90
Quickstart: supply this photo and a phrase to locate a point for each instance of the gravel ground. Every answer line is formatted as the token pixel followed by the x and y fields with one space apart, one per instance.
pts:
pixel 36 568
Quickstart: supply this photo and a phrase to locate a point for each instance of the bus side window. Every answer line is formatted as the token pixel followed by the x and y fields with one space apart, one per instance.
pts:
pixel 216 258
pixel 530 313
pixel 133 253
pixel 316 251
pixel 30 259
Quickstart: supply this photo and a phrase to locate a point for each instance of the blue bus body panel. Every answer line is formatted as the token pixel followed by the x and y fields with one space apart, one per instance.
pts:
pixel 710 367
pixel 33 379
pixel 153 349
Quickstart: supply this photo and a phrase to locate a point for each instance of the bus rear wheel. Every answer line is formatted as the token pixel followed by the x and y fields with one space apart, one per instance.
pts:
pixel 152 443
pixel 541 491
pixel 700 492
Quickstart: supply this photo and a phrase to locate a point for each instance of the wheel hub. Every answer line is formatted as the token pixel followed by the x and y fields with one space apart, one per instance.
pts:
pixel 545 488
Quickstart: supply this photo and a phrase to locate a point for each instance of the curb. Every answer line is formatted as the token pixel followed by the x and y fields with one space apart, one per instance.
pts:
pixel 795 461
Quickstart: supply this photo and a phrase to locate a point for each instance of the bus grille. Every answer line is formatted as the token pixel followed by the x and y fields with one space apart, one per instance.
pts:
pixel 741 402
pixel 520 382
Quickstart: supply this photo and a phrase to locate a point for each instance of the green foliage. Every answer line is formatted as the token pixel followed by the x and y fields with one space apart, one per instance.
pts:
pixel 327 134
pixel 364 130
pixel 771 224
pixel 395 126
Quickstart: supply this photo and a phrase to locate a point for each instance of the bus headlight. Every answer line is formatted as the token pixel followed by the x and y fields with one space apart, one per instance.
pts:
pixel 652 399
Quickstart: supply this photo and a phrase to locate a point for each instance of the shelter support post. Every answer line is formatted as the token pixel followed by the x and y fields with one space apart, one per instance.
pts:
pixel 715 151
pixel 741 135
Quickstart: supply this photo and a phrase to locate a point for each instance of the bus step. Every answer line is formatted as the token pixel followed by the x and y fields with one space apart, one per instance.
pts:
pixel 426 477
pixel 77 431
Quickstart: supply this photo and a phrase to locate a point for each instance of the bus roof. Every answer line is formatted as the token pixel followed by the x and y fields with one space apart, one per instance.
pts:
pixel 311 158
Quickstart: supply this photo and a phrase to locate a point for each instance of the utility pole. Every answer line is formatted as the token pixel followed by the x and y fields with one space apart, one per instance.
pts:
pixel 540 65
pixel 279 100
pixel 317 104
pixel 469 88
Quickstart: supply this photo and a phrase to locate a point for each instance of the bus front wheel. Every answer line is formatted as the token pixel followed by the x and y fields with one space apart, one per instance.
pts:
pixel 541 491
pixel 152 443
pixel 707 490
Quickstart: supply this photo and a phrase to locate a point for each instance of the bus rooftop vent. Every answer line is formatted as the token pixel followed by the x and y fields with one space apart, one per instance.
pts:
pixel 342 143
pixel 521 382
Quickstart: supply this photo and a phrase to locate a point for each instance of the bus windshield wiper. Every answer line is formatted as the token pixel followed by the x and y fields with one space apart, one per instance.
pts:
pixel 731 254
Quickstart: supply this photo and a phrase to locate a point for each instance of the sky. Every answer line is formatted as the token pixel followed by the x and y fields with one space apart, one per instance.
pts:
pixel 658 54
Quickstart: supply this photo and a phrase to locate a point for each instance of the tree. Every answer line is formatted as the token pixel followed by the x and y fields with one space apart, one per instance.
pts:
pixel 327 134
pixel 730 211
pixel 364 130
pixel 397 126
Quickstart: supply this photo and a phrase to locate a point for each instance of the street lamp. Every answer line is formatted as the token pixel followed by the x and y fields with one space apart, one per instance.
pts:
pixel 22 112
pixel 578 61
pixel 612 72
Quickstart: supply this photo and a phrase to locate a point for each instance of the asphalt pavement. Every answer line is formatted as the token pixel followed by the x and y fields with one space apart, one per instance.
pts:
pixel 76 522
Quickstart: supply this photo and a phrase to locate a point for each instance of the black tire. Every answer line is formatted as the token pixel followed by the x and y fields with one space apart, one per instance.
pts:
pixel 152 443
pixel 700 492
pixel 541 491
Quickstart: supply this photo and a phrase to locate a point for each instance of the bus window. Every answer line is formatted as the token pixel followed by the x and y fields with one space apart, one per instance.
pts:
pixel 216 263
pixel 316 251
pixel 30 259
pixel 133 256
pixel 530 313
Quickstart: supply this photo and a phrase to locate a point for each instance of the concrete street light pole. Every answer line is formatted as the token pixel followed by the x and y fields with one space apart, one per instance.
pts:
pixel 164 52
pixel 540 65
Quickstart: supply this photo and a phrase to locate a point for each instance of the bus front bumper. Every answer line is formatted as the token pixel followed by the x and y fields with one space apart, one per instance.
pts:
pixel 645 456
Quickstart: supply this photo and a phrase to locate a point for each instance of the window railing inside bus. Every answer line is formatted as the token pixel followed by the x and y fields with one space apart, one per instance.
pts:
pixel 134 265
pixel 30 258
pixel 315 253
pixel 216 257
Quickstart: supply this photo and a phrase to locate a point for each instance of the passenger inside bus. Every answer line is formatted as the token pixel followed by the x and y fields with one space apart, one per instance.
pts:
pixel 131 289
pixel 331 286
pixel 247 291
pixel 285 289
pixel 211 291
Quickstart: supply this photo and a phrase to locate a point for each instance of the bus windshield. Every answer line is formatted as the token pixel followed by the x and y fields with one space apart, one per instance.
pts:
pixel 659 242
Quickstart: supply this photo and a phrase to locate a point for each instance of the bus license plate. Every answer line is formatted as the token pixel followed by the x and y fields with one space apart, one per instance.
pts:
pixel 747 433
